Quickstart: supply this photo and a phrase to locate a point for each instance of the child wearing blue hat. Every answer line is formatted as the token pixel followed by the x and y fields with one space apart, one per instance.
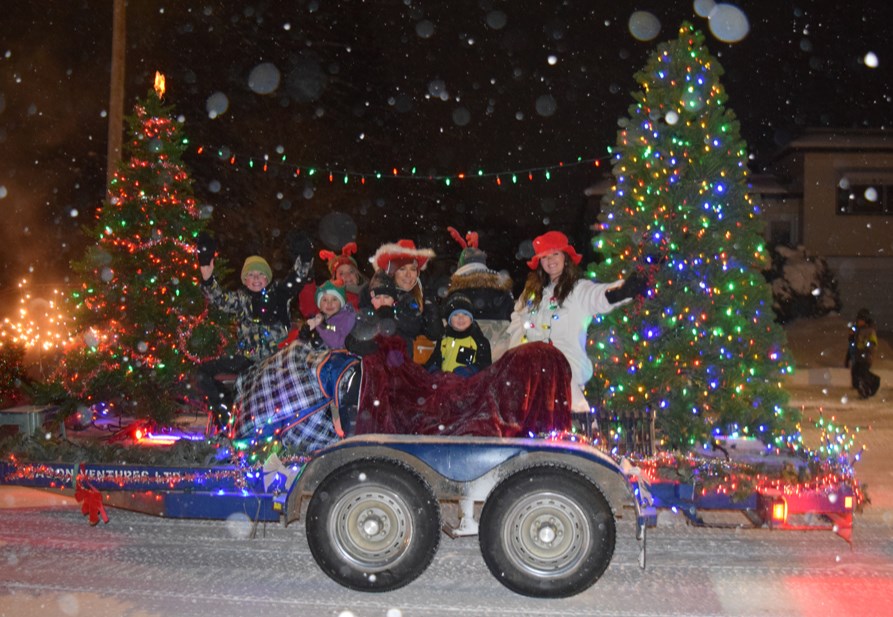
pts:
pixel 463 349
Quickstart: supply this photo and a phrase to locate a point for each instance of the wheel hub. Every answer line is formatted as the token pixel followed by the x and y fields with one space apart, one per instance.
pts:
pixel 371 527
pixel 373 523
pixel 547 534
pixel 547 531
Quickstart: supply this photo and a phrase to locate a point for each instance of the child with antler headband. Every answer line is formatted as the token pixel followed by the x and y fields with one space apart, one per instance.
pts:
pixel 490 292
pixel 342 267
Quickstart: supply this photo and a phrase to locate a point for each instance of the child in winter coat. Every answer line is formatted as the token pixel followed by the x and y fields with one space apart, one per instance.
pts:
pixel 490 292
pixel 262 312
pixel 336 318
pixel 379 315
pixel 342 267
pixel 463 349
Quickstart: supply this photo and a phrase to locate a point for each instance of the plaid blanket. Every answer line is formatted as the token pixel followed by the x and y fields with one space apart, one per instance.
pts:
pixel 288 397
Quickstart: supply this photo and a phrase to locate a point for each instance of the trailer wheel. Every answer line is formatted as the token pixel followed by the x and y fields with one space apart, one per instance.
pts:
pixel 547 532
pixel 373 525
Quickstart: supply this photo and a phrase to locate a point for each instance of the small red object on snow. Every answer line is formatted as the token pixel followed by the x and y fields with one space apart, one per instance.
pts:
pixel 91 502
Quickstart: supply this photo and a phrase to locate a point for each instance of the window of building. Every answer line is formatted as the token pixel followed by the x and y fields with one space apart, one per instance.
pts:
pixel 865 193
pixel 781 232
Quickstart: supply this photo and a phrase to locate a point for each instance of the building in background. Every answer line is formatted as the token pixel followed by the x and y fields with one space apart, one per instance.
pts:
pixel 831 191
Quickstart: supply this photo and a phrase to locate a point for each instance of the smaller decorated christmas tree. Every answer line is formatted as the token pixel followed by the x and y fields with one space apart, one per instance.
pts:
pixel 702 354
pixel 142 321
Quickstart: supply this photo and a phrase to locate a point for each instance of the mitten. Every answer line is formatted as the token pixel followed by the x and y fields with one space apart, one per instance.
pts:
pixel 635 285
pixel 409 320
pixel 300 246
pixel 205 248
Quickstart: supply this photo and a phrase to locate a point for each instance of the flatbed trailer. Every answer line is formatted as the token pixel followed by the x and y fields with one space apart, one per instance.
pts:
pixel 546 512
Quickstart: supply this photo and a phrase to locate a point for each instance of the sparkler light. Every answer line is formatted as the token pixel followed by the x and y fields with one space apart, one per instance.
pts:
pixel 38 323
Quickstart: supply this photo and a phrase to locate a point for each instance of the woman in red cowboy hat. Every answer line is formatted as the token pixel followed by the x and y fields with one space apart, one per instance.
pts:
pixel 403 262
pixel 557 306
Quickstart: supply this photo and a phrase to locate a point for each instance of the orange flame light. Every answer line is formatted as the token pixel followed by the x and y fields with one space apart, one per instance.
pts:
pixel 780 511
pixel 159 84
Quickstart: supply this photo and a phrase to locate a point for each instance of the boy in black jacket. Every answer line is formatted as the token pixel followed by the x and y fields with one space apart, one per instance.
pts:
pixel 463 349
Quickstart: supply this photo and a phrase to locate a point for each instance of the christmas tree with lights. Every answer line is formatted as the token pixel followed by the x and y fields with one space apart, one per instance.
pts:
pixel 142 321
pixel 701 354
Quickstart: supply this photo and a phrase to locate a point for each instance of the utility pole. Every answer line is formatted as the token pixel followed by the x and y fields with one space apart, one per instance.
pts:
pixel 116 94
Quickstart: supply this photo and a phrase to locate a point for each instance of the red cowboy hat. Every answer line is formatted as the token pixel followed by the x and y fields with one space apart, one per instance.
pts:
pixel 552 242
pixel 392 257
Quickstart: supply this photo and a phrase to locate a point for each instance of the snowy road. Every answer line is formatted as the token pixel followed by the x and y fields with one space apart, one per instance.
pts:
pixel 55 564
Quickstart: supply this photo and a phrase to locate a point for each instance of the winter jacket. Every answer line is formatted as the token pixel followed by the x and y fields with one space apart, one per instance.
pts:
pixel 262 318
pixel 332 333
pixel 862 343
pixel 565 327
pixel 465 352
pixel 385 321
pixel 414 320
pixel 490 293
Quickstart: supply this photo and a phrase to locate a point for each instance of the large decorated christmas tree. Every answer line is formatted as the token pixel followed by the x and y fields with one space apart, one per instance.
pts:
pixel 701 354
pixel 141 318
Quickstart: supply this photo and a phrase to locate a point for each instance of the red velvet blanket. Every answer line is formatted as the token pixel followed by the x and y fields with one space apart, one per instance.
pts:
pixel 527 391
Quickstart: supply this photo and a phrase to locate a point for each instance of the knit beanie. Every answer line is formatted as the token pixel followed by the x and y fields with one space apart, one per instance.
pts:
pixel 329 288
pixel 382 285
pixel 256 263
pixel 459 303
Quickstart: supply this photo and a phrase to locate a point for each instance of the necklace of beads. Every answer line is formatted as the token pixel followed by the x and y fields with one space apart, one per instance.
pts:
pixel 547 326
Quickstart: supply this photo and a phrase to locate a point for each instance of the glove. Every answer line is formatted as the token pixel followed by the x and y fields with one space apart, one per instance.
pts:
pixel 205 248
pixel 302 269
pixel 634 286
pixel 300 246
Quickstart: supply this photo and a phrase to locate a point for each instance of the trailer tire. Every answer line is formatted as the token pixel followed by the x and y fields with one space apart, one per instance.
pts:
pixel 373 525
pixel 547 532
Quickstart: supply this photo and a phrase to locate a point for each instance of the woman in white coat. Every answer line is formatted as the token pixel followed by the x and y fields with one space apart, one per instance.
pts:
pixel 558 304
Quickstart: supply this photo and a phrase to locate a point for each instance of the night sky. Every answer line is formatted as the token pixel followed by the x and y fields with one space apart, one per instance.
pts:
pixel 363 87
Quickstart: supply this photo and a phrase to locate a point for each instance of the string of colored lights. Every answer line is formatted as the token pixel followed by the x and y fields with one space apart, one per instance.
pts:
pixel 335 174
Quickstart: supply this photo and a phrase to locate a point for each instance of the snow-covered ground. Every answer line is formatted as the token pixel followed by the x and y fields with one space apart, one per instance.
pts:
pixel 821 385
pixel 53 563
